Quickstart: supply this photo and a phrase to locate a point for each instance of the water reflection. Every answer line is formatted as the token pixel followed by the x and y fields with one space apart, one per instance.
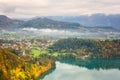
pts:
pixel 85 70
pixel 95 63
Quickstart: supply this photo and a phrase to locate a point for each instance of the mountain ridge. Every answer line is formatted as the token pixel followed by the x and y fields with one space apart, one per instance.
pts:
pixel 94 20
pixel 8 23
pixel 57 22
pixel 48 23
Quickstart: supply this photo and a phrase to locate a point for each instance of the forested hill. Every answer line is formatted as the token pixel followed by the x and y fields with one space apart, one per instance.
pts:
pixel 80 48
pixel 13 67
pixel 8 23
pixel 9 62
pixel 93 20
pixel 48 23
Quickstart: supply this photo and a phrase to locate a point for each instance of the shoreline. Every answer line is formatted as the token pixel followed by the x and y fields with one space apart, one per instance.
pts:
pixel 45 69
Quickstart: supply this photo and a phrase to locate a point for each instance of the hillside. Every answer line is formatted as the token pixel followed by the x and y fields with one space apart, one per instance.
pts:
pixel 7 23
pixel 13 67
pixel 81 48
pixel 93 20
pixel 48 23
pixel 8 62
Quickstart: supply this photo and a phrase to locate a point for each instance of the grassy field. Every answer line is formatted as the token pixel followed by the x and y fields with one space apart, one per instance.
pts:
pixel 36 52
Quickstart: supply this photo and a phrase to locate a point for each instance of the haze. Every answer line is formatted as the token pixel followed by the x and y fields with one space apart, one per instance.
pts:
pixel 31 8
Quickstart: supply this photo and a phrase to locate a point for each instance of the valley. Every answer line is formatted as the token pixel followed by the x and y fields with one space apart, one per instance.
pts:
pixel 31 49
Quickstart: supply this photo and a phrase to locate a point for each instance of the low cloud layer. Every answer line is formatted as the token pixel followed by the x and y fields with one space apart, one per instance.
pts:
pixel 31 8
pixel 68 33
pixel 51 31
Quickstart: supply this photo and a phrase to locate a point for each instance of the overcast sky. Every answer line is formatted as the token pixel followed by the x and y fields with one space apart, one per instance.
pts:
pixel 31 8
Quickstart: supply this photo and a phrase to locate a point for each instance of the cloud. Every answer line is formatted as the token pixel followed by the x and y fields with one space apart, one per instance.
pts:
pixel 52 32
pixel 6 8
pixel 49 31
pixel 30 8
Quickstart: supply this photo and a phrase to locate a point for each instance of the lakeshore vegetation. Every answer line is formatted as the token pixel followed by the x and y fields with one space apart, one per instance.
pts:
pixel 28 59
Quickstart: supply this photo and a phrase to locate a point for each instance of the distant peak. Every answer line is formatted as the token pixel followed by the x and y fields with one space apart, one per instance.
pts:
pixel 3 16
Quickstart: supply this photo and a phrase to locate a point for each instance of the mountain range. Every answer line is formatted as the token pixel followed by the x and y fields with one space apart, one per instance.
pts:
pixel 8 23
pixel 94 20
pixel 48 23
pixel 60 22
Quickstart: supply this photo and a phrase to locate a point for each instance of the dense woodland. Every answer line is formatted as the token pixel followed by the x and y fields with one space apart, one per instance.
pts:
pixel 81 48
pixel 13 67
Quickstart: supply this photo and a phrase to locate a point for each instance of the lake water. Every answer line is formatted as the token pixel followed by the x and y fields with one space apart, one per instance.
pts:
pixel 85 70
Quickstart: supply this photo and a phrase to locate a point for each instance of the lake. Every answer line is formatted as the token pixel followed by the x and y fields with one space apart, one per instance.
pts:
pixel 84 70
